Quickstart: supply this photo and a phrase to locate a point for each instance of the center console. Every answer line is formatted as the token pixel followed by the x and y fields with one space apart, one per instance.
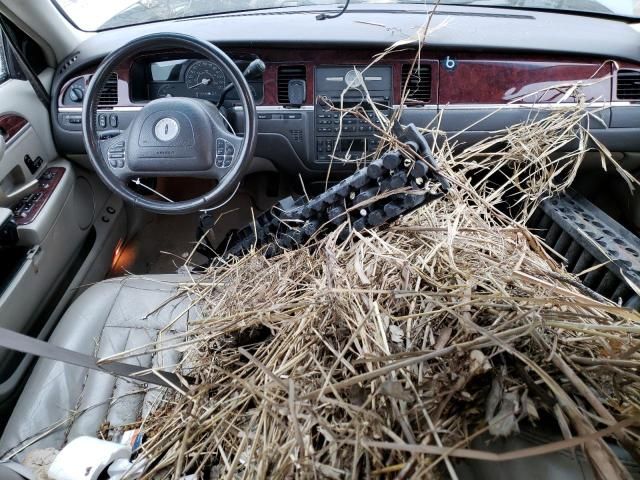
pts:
pixel 342 87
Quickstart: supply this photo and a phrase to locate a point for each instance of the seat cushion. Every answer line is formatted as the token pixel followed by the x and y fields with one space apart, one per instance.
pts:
pixel 61 402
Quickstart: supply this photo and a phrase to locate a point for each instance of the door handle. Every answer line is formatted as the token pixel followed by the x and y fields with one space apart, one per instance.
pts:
pixel 21 191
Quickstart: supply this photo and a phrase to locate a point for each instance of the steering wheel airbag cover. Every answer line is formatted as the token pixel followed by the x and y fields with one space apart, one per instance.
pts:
pixel 164 137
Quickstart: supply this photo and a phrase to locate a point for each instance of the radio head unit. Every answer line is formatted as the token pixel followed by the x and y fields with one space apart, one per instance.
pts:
pixel 343 88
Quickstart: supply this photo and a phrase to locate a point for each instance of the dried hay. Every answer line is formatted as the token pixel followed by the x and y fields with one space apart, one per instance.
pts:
pixel 385 355
pixel 390 352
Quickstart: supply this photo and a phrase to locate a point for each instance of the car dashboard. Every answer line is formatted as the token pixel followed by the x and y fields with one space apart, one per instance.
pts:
pixel 475 88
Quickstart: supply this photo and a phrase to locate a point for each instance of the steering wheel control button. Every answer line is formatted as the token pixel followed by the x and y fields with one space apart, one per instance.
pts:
pixel 225 152
pixel 115 154
pixel 166 129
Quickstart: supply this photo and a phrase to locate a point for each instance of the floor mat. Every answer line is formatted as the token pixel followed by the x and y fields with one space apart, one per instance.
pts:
pixel 162 246
pixel 165 242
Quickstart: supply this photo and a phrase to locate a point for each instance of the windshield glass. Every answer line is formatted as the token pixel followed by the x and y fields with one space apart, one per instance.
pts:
pixel 93 15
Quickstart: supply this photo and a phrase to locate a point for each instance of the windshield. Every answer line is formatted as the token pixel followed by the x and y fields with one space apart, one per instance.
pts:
pixel 94 15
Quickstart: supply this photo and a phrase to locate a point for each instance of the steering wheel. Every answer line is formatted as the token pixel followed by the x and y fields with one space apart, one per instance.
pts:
pixel 171 137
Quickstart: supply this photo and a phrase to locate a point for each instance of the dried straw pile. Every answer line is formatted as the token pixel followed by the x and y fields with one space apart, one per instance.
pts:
pixel 388 353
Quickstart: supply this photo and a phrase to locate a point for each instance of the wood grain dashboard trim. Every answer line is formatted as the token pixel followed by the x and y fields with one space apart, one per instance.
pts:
pixel 11 125
pixel 502 81
pixel 478 78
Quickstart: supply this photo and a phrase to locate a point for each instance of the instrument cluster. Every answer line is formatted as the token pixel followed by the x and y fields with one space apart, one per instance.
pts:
pixel 191 78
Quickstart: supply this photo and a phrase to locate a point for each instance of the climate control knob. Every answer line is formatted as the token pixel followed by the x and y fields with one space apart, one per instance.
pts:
pixel 76 94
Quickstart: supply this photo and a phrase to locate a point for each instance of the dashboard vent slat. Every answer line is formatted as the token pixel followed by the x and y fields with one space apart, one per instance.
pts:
pixel 419 82
pixel 628 85
pixel 68 62
pixel 285 74
pixel 109 93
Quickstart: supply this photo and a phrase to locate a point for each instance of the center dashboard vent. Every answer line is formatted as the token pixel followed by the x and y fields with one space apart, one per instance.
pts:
pixel 628 85
pixel 287 73
pixel 109 93
pixel 419 82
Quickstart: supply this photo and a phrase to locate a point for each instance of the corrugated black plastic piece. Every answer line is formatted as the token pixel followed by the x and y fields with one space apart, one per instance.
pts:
pixel 388 187
pixel 584 236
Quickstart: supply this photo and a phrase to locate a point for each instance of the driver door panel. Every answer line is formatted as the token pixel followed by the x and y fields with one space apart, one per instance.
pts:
pixel 51 232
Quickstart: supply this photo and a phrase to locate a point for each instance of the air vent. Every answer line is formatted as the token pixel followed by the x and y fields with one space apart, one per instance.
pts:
pixel 628 86
pixel 109 94
pixel 285 74
pixel 419 82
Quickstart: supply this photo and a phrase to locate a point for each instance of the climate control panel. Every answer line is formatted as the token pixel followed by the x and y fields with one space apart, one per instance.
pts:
pixel 344 135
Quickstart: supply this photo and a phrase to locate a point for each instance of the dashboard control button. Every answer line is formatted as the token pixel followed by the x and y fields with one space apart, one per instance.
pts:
pixel 102 120
pixel 113 120
pixel 116 155
pixel 29 206
pixel 225 152
pixel 219 146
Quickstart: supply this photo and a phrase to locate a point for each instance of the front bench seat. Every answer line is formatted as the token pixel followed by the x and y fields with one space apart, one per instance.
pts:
pixel 61 402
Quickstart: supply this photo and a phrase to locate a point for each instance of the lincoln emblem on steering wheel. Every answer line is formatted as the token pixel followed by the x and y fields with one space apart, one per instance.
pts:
pixel 166 129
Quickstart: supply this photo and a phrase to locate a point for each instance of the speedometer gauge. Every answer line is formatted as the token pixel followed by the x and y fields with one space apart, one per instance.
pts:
pixel 205 79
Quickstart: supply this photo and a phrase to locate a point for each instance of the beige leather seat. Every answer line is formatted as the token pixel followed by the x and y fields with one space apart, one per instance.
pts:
pixel 60 401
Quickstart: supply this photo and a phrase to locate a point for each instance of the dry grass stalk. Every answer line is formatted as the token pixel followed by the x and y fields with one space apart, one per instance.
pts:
pixel 383 354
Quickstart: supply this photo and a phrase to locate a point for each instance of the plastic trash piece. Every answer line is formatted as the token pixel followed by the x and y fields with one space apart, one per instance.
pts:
pixel 85 458
pixel 132 438
pixel 124 469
